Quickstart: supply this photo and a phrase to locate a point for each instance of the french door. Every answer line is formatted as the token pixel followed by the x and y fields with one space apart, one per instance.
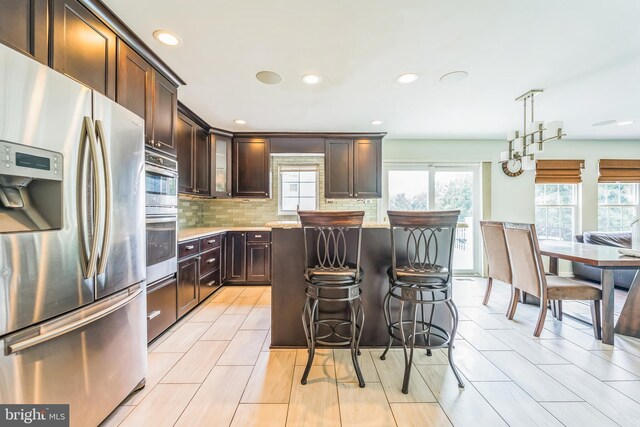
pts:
pixel 439 187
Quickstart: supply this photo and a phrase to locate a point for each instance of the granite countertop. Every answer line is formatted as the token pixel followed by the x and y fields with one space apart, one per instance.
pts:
pixel 196 233
pixel 295 224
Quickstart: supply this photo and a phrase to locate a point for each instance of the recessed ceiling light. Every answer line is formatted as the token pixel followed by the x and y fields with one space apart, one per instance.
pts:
pixel 166 37
pixel 311 79
pixel 239 122
pixel 269 77
pixel 626 122
pixel 376 122
pixel 407 78
pixel 454 77
pixel 604 123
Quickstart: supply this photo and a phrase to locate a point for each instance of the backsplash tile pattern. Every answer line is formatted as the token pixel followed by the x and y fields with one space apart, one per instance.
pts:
pixel 193 212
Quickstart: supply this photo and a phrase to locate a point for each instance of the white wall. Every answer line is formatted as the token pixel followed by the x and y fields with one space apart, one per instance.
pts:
pixel 512 199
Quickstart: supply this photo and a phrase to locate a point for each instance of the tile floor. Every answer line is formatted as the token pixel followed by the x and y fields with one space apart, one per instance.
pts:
pixel 214 368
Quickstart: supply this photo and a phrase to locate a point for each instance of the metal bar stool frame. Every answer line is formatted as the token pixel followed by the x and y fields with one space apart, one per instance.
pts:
pixel 421 275
pixel 328 274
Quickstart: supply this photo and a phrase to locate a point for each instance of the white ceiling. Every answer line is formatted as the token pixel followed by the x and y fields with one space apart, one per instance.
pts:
pixel 585 54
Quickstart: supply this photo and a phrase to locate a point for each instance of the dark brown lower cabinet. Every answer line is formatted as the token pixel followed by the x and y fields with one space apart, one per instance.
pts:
pixel 209 283
pixel 236 257
pixel 258 262
pixel 188 284
pixel 161 307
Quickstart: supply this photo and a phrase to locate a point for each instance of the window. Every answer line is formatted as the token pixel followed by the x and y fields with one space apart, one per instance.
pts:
pixel 617 206
pixel 298 189
pixel 556 209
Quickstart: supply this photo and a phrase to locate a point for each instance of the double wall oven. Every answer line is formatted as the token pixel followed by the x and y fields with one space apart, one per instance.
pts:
pixel 161 216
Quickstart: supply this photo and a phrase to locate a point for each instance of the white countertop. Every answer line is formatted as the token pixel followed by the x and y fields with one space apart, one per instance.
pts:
pixel 196 233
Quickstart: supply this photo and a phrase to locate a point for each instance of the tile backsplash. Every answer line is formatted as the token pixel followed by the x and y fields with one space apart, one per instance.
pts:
pixel 195 212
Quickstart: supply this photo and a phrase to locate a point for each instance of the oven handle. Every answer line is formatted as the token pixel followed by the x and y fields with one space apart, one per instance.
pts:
pixel 161 171
pixel 159 219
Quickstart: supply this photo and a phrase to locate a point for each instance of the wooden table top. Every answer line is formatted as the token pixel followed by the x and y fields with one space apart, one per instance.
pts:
pixel 595 255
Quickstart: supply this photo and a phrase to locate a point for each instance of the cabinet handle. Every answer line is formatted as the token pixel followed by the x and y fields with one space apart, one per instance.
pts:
pixel 211 242
pixel 213 282
pixel 257 236
pixel 152 142
pixel 229 194
pixel 211 260
pixel 356 194
pixel 266 246
pixel 189 247
pixel 350 195
pixel 153 315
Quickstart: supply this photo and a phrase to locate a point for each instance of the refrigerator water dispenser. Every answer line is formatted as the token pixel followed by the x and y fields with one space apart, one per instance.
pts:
pixel 30 189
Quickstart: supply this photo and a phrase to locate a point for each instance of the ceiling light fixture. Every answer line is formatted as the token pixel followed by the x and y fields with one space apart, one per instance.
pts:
pixel 165 37
pixel 311 79
pixel 454 77
pixel 626 122
pixel 268 77
pixel 239 122
pixel 376 122
pixel 407 78
pixel 523 145
pixel 604 123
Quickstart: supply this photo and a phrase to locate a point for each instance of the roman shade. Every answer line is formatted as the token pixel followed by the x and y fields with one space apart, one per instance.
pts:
pixel 619 170
pixel 559 171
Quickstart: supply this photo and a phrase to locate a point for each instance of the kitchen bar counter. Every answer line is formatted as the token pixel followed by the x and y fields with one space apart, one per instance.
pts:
pixel 288 286
pixel 196 233
pixel 295 224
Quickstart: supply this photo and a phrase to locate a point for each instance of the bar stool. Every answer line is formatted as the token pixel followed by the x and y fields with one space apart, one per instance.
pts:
pixel 420 274
pixel 333 276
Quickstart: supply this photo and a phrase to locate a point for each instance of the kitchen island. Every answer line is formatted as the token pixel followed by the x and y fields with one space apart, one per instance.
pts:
pixel 288 285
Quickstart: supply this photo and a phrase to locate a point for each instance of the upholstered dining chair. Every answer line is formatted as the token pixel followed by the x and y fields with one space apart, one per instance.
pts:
pixel 495 246
pixel 529 276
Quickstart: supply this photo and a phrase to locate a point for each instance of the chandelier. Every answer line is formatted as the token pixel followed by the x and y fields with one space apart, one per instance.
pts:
pixel 525 144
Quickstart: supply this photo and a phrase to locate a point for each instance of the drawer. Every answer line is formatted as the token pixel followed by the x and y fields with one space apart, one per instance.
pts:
pixel 161 307
pixel 186 249
pixel 210 242
pixel 209 283
pixel 209 261
pixel 259 236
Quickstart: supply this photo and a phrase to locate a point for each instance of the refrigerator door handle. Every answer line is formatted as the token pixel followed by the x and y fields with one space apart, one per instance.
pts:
pixel 49 335
pixel 106 167
pixel 88 260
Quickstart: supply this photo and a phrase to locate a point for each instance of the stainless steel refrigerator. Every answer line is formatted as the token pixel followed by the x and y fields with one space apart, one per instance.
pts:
pixel 72 243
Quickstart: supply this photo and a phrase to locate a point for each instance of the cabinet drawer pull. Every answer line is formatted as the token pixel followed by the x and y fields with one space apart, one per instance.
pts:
pixel 153 314
pixel 257 236
pixel 189 247
pixel 213 282
pixel 211 260
pixel 211 242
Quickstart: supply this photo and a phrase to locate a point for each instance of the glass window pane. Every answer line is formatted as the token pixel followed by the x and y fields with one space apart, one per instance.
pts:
pixel 290 176
pixel 565 193
pixel 290 189
pixel 308 204
pixel 307 189
pixel 309 176
pixel 408 190
pixel 539 194
pixel 551 194
pixel 289 203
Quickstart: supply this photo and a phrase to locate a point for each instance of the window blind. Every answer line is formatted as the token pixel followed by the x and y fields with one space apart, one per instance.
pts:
pixel 559 171
pixel 619 170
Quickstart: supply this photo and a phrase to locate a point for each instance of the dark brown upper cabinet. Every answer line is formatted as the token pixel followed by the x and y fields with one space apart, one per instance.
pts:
pixel 83 47
pixel 338 168
pixel 24 27
pixel 251 176
pixel 220 165
pixel 367 168
pixel 201 161
pixel 151 96
pixel 193 157
pixel 353 168
pixel 165 111
pixel 135 86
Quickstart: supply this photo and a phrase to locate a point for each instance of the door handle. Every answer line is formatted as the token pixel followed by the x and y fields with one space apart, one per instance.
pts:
pixel 88 260
pixel 30 342
pixel 106 237
pixel 153 314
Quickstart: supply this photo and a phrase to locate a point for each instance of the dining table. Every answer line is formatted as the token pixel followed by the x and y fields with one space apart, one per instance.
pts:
pixel 607 259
